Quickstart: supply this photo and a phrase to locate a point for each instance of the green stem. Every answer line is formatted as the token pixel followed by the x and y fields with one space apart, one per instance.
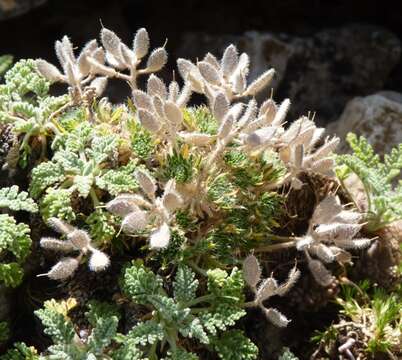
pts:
pixel 94 197
pixel 280 238
pixel 275 247
pixel 197 269
pixel 200 299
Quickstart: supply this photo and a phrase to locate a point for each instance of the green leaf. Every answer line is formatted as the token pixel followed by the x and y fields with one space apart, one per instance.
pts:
pixel 20 352
pixel 5 62
pixel 11 274
pixel 145 333
pixel 233 345
pixel 195 330
pixel 101 226
pixel 14 237
pixel 57 203
pixel 179 167
pixel 102 334
pixel 119 181
pixel 102 147
pixel 56 326
pixel 83 184
pixel 98 310
pixel 222 317
pixel 44 175
pixel 226 288
pixel 11 198
pixel 181 354
pixel 185 285
pixel 140 283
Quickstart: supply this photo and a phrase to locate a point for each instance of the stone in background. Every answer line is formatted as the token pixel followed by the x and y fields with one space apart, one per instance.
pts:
pixel 319 73
pixel 377 117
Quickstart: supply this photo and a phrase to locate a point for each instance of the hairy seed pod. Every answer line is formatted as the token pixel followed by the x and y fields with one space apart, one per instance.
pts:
pixel 212 60
pixel 60 226
pixel 347 217
pixel 184 96
pixel 173 113
pixel 293 277
pixel 220 106
pixel 63 269
pixel 353 243
pixel 326 210
pixel 322 252
pixel 79 238
pixel 98 261
pixel 48 71
pixel 142 100
pixel 276 317
pixel 58 46
pixel 251 271
pixel 226 127
pixel 171 200
pixel 323 166
pixel 249 114
pixel 127 55
pixel 196 82
pixel 174 91
pixel 267 289
pixel 298 156
pixel 320 273
pixel 99 84
pixel 281 113
pixel 160 238
pixel 141 43
pixel 121 206
pixel 209 73
pixel 328 147
pixel 336 231
pixel 158 103
pixel 111 42
pixel 244 63
pixel 134 221
pixel 186 67
pixel 157 60
pixel 148 121
pixel 260 83
pixel 56 244
pixel 230 60
pixel 239 82
pixel 68 48
pixel 196 139
pixel 156 86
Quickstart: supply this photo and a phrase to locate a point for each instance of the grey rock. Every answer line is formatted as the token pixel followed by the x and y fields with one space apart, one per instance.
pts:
pixel 377 117
pixel 11 8
pixel 319 73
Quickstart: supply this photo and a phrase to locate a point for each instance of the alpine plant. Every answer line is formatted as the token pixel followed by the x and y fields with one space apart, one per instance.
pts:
pixel 171 199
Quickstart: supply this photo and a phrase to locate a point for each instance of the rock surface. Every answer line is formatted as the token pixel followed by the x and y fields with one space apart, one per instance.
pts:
pixel 320 73
pixel 377 117
pixel 11 8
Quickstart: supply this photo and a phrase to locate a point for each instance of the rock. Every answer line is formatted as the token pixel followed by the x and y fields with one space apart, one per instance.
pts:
pixel 377 117
pixel 11 8
pixel 319 73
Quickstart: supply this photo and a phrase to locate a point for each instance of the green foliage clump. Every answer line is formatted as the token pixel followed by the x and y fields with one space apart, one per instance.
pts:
pixel 384 200
pixel 67 344
pixel 5 63
pixel 178 316
pixel 15 241
pixel 26 104
pixel 175 199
